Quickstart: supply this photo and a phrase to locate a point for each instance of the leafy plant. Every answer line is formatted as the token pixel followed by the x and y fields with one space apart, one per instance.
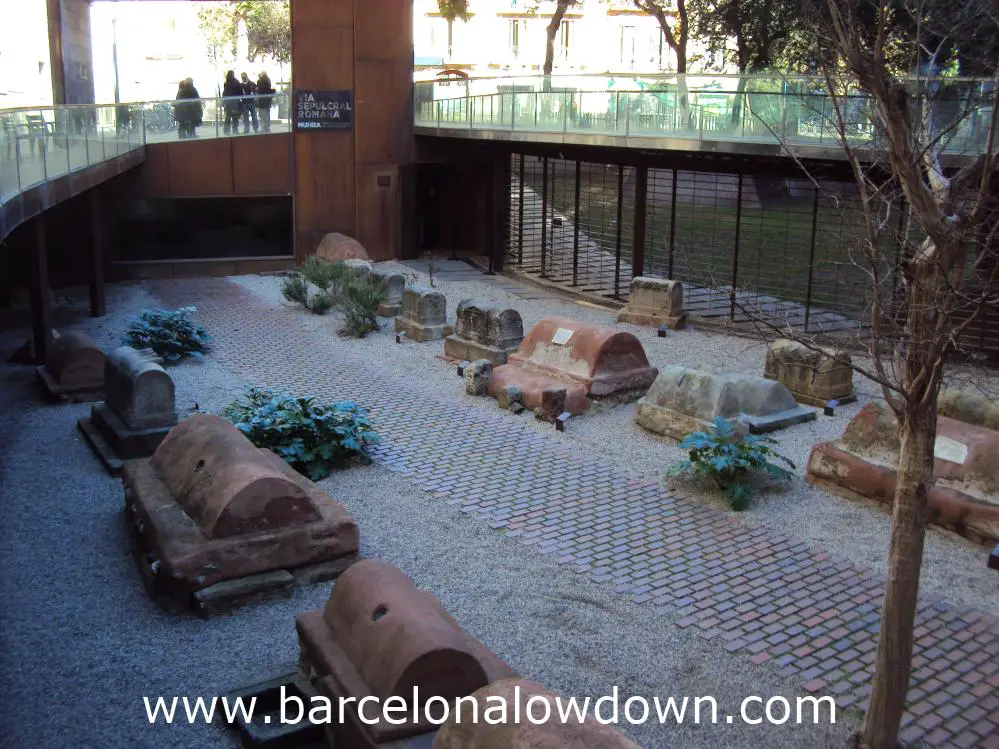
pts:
pixel 313 438
pixel 295 289
pixel 325 275
pixel 359 303
pixel 727 457
pixel 171 334
pixel 320 303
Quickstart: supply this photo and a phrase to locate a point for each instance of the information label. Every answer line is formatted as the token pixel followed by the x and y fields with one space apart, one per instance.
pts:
pixel 324 110
pixel 950 450
pixel 561 336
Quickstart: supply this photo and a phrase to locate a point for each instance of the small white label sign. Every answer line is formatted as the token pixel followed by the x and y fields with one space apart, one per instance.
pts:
pixel 950 450
pixel 561 336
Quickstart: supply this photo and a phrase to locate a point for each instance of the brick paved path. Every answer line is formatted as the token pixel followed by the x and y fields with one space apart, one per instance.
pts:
pixel 749 591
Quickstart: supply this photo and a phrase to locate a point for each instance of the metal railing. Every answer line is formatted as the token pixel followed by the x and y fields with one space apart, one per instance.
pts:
pixel 756 108
pixel 40 144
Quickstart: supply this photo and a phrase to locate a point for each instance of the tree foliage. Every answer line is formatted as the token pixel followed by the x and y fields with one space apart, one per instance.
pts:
pixel 675 25
pixel 454 10
pixel 752 34
pixel 268 29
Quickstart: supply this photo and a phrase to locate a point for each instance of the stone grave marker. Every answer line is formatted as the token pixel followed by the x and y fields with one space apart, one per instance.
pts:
pixel 75 369
pixel 484 331
pixel 814 377
pixel 424 315
pixel 654 301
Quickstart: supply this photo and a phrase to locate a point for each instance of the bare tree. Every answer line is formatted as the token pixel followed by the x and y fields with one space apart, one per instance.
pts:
pixel 927 177
pixel 561 7
pixel 675 26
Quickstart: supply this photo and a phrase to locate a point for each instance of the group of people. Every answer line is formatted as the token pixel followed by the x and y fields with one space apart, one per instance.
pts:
pixel 242 99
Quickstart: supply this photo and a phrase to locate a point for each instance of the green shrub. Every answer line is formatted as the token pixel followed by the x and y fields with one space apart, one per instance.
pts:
pixel 727 457
pixel 320 303
pixel 313 438
pixel 325 275
pixel 295 289
pixel 359 304
pixel 171 334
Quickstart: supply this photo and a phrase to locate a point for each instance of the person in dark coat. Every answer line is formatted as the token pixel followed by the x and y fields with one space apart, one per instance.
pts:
pixel 249 103
pixel 232 96
pixel 187 109
pixel 265 99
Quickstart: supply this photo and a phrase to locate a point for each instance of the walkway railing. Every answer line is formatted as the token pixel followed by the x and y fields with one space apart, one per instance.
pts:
pixel 38 145
pixel 752 109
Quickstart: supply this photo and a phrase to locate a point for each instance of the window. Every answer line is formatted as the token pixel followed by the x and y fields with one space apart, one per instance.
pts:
pixel 516 31
pixel 628 46
pixel 565 38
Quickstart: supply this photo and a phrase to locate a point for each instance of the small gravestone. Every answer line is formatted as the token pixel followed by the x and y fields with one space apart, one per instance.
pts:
pixel 477 376
pixel 75 369
pixel 394 284
pixel 485 331
pixel 553 400
pixel 508 396
pixel 424 315
pixel 814 376
pixel 138 409
pixel 654 301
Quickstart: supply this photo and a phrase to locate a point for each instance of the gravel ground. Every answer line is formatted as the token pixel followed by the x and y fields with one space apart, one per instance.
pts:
pixel 82 643
pixel 953 568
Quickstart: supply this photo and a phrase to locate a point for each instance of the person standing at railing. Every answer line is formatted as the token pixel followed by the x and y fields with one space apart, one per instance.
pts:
pixel 265 100
pixel 249 104
pixel 232 97
pixel 187 110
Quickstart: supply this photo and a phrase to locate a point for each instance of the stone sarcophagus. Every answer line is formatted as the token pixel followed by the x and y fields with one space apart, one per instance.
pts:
pixel 381 636
pixel 864 463
pixel 654 301
pixel 424 315
pixel 394 285
pixel 137 412
pixel 814 376
pixel 484 331
pixel 532 703
pixel 75 369
pixel 683 400
pixel 217 520
pixel 587 360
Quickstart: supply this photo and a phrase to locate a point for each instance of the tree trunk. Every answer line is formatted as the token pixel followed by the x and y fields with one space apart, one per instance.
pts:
pixel 739 102
pixel 917 431
pixel 553 26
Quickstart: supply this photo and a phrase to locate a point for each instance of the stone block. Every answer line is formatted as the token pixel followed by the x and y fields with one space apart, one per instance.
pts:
pixel 138 409
pixel 508 396
pixel 335 247
pixel 266 730
pixel 75 369
pixel 209 508
pixel 394 285
pixel 864 463
pixel 553 400
pixel 814 376
pixel 380 635
pixel 529 699
pixel 424 315
pixel 684 400
pixel 654 301
pixel 969 406
pixel 484 331
pixel 477 376
pixel 588 360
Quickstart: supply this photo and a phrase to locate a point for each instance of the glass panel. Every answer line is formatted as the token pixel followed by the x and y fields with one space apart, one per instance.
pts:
pixel 8 156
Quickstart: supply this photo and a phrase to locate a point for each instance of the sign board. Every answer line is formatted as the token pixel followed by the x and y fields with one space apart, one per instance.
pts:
pixel 561 336
pixel 324 110
pixel 950 450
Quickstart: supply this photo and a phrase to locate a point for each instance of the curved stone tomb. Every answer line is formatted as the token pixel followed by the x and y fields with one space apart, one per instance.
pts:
pixel 683 400
pixel 210 507
pixel 75 368
pixel 588 360
pixel 814 376
pixel 525 734
pixel 424 315
pixel 654 301
pixel 864 462
pixel 394 285
pixel 335 246
pixel 382 636
pixel 484 331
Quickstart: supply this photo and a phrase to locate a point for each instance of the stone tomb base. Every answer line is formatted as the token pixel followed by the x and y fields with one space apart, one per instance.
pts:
pixel 266 731
pixel 75 370
pixel 113 442
pixel 217 522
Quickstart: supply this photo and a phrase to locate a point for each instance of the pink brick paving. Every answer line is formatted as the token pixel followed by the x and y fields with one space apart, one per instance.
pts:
pixel 749 591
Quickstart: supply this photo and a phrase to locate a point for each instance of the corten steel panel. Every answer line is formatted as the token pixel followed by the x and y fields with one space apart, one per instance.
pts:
pixel 378 209
pixel 312 13
pixel 261 165
pixel 324 182
pixel 383 30
pixel 154 176
pixel 383 112
pixel 201 168
pixel 324 57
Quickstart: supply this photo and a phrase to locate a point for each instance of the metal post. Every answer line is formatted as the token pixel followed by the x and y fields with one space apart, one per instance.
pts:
pixel 520 218
pixel 544 212
pixel 672 229
pixel 620 229
pixel 627 114
pixel 638 245
pixel 513 110
pixel 537 107
pixel 735 254
pixel 811 257
pixel 575 231
pixel 97 304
